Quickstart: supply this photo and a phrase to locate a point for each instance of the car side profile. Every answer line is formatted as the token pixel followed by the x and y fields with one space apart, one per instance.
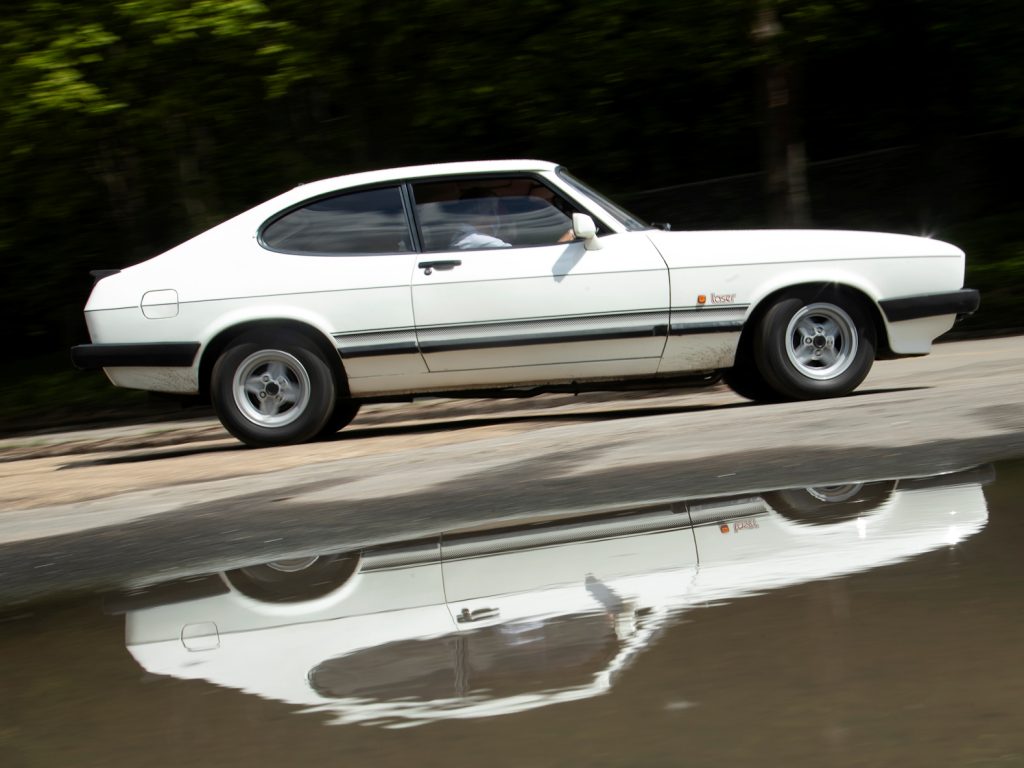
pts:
pixel 499 277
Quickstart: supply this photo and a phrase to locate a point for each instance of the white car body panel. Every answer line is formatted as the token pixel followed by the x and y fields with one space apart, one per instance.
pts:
pixel 751 265
pixel 533 291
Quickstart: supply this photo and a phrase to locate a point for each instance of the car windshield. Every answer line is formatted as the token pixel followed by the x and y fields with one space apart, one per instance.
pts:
pixel 631 222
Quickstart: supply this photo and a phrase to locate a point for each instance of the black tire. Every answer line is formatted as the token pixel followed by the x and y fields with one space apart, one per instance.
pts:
pixel 273 389
pixel 745 381
pixel 817 345
pixel 294 580
pixel 345 411
pixel 827 504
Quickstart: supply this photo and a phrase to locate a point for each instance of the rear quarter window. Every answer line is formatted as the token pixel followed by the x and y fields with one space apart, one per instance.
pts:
pixel 363 222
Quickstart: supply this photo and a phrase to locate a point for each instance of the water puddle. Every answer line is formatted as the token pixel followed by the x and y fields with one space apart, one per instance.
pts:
pixel 851 624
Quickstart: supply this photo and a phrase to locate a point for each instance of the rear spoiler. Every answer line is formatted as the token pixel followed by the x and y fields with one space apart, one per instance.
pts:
pixel 99 274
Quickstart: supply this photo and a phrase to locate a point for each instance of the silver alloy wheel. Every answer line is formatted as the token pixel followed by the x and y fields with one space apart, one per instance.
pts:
pixel 279 570
pixel 821 341
pixel 833 494
pixel 293 565
pixel 271 388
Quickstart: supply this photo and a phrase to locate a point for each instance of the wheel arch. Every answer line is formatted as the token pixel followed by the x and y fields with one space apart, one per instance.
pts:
pixel 224 337
pixel 320 581
pixel 820 287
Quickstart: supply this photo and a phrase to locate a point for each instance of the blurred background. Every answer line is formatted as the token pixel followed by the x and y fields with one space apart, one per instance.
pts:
pixel 130 125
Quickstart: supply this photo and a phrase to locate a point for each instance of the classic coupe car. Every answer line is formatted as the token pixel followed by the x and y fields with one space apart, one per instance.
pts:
pixel 490 278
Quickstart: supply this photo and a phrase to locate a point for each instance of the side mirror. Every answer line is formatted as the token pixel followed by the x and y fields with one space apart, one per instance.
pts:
pixel 583 227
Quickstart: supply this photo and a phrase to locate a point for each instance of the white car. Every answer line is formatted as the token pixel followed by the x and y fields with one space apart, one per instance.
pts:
pixel 495 622
pixel 487 277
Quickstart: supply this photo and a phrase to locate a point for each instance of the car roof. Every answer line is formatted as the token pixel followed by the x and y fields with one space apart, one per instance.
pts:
pixel 421 171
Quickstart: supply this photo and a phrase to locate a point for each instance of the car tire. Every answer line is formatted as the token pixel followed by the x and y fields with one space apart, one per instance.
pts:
pixel 345 411
pixel 294 580
pixel 827 504
pixel 744 379
pixel 273 389
pixel 809 346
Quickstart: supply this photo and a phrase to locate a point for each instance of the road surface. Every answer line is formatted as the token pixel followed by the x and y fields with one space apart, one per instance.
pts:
pixel 93 508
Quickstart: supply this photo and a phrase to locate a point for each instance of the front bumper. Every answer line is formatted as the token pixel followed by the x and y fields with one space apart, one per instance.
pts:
pixel 960 303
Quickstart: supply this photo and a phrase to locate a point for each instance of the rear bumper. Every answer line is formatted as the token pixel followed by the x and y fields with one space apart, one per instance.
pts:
pixel 173 354
pixel 960 303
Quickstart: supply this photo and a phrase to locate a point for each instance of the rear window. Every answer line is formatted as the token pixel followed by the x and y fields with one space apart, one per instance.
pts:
pixel 365 222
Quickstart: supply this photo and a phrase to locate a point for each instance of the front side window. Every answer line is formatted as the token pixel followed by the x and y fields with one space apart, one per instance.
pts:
pixel 479 213
pixel 363 222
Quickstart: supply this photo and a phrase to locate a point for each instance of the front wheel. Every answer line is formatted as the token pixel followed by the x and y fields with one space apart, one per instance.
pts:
pixel 273 389
pixel 811 347
pixel 745 380
pixel 828 504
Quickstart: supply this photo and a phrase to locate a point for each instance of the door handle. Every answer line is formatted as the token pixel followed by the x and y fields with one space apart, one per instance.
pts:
pixel 467 616
pixel 429 266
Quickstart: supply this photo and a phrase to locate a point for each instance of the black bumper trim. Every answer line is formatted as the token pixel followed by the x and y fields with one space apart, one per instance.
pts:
pixel 984 474
pixel 172 354
pixel 960 303
pixel 166 593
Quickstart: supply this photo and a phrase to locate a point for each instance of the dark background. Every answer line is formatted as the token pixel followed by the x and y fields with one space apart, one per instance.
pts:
pixel 129 126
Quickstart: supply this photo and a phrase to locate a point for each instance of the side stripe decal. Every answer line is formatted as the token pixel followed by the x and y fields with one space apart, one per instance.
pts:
pixel 515 333
pixel 725 326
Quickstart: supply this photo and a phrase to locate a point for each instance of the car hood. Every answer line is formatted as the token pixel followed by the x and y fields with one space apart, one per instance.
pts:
pixel 767 245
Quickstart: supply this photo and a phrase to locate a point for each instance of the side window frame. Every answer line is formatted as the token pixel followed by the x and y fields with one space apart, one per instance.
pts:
pixel 399 186
pixel 575 189
pixel 410 216
pixel 487 176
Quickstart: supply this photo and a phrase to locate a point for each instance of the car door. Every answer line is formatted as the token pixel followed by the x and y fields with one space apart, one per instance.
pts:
pixel 614 565
pixel 502 294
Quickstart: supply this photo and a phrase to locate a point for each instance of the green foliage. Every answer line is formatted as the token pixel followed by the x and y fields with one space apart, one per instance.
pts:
pixel 57 72
pixel 995 266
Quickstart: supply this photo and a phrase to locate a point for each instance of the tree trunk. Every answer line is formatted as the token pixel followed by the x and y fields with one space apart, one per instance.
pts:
pixel 784 158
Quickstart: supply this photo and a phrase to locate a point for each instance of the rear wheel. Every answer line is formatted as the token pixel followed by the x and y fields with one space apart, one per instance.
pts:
pixel 273 389
pixel 296 579
pixel 809 347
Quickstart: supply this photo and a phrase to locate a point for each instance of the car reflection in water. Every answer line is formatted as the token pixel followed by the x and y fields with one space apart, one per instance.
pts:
pixel 501 621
